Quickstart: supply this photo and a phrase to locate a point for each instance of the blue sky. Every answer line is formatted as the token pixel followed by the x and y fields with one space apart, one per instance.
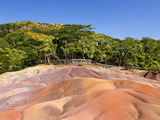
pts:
pixel 115 18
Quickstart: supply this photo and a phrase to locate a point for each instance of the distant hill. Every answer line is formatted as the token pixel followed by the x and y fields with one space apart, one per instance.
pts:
pixel 28 43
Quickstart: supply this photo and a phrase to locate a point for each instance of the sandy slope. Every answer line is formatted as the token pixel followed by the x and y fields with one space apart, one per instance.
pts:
pixel 71 92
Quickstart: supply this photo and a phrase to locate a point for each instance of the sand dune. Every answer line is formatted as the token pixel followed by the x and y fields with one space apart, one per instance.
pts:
pixel 72 92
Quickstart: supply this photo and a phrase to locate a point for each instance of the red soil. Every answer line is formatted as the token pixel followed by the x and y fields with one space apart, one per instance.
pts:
pixel 79 93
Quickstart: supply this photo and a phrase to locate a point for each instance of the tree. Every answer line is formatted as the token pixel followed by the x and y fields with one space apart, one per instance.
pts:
pixel 69 35
pixel 32 43
pixel 12 59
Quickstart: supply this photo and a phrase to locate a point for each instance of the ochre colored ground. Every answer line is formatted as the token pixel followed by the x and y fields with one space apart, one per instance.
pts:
pixel 72 92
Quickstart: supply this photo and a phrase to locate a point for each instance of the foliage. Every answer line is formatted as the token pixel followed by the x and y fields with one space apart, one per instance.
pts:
pixel 28 43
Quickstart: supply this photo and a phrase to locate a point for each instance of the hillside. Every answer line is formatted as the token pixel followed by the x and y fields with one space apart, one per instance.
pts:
pixel 73 92
pixel 24 44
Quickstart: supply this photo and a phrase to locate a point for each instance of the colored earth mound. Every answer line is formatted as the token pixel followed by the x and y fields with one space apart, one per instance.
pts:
pixel 74 92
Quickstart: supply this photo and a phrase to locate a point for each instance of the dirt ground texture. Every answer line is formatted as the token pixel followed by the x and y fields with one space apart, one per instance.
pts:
pixel 73 92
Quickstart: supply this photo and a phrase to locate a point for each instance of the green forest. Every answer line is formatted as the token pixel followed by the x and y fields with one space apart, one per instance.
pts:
pixel 27 43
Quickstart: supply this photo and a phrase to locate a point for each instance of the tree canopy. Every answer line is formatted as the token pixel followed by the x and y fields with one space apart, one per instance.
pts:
pixel 28 43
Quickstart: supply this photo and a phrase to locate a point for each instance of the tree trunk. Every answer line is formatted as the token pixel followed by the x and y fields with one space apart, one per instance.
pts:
pixel 83 56
pixel 72 55
pixel 119 61
pixel 48 59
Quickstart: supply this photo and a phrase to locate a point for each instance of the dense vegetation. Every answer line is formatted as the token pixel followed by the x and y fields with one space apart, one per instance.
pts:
pixel 24 44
